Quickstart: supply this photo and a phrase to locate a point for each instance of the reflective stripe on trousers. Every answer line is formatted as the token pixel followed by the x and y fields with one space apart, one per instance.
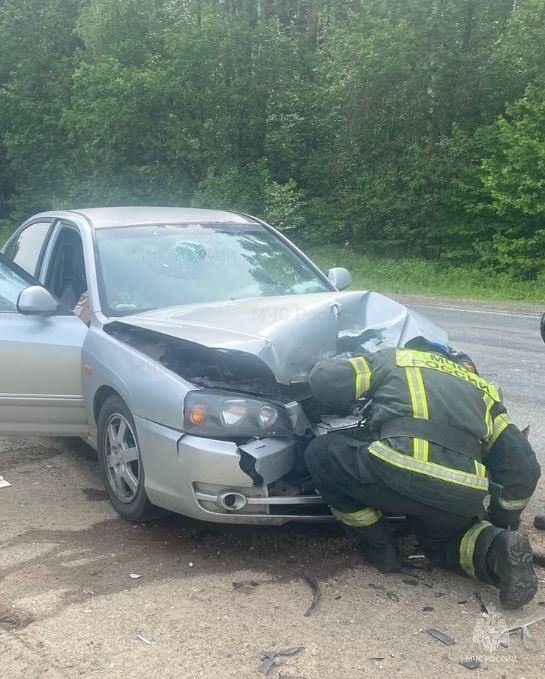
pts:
pixel 360 519
pixel 513 505
pixel 467 546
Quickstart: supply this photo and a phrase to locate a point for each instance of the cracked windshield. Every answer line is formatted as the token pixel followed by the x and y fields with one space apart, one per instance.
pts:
pixel 143 268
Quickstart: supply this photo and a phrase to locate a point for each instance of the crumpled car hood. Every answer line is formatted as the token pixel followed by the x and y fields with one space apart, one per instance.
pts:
pixel 291 333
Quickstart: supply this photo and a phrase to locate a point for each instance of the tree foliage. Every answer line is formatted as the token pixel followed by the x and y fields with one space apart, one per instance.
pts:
pixel 413 127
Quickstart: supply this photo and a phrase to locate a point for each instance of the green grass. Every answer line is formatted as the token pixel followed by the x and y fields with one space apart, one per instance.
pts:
pixel 423 277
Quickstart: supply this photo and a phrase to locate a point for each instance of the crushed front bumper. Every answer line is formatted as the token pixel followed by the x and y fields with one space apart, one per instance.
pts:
pixel 204 478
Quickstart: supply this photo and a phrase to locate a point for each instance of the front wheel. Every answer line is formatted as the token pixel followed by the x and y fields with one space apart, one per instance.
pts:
pixel 120 462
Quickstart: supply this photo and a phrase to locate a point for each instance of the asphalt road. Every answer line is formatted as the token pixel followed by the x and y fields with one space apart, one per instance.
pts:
pixel 507 349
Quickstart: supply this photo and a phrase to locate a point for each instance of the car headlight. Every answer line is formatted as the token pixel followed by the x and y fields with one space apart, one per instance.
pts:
pixel 221 414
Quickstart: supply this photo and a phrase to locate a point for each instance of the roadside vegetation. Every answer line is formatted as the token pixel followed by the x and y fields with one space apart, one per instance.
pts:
pixel 414 128
pixel 424 277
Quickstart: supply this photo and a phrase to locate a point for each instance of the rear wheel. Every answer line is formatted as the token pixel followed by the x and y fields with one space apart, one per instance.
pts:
pixel 120 462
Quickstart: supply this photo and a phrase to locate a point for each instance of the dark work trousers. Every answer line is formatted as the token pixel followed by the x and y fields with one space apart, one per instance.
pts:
pixel 346 479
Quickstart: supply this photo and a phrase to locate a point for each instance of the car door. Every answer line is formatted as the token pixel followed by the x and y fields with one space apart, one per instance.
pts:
pixel 40 364
pixel 27 245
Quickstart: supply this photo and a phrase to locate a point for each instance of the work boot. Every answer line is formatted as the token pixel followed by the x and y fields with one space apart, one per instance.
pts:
pixel 383 557
pixel 377 544
pixel 539 521
pixel 510 562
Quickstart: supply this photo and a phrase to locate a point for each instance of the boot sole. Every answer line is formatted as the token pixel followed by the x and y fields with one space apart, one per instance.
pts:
pixel 521 582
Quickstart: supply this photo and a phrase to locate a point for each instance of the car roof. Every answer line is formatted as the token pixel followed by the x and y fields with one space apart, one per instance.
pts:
pixel 101 217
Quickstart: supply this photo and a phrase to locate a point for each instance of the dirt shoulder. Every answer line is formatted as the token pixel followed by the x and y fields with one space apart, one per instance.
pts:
pixel 211 599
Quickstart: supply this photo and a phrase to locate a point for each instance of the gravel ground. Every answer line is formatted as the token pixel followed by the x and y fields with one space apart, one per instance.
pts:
pixel 69 608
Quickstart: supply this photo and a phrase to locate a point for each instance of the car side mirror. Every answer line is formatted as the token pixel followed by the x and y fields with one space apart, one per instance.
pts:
pixel 340 277
pixel 36 301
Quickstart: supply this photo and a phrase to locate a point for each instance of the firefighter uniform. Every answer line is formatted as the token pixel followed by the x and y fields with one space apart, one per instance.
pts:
pixel 438 441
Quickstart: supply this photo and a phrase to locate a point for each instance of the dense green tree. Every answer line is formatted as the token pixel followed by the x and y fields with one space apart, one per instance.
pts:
pixel 506 196
pixel 37 56
pixel 406 126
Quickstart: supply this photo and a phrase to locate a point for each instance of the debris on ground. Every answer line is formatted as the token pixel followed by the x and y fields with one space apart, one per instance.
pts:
pixel 197 594
pixel 419 561
pixel 135 576
pixel 4 483
pixel 376 658
pixel 470 663
pixel 409 581
pixel 438 595
pixel 316 594
pixel 526 622
pixel 410 570
pixel 539 559
pixel 95 494
pixel 245 586
pixel 380 588
pixel 270 658
pixel 416 557
pixel 539 521
pixel 392 596
pixel 428 608
pixel 481 603
pixel 528 641
pixel 146 641
pixel 441 636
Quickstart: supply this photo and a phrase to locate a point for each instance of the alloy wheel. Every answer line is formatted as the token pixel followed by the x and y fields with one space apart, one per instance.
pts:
pixel 122 457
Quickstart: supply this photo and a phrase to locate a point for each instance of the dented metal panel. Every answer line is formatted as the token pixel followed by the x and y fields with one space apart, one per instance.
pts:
pixel 289 334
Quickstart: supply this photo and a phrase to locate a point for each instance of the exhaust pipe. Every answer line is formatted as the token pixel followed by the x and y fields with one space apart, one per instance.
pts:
pixel 232 501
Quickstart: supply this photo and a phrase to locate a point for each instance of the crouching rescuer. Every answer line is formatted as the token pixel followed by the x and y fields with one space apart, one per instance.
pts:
pixel 438 440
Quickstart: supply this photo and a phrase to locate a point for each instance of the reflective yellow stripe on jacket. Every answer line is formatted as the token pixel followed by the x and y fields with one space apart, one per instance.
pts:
pixel 488 405
pixel 419 403
pixel 477 481
pixel 363 375
pixel 499 425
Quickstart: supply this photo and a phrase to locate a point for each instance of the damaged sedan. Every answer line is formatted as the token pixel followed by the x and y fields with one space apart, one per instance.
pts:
pixel 178 343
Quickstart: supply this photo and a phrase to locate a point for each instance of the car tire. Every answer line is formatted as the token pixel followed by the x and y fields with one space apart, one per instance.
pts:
pixel 120 463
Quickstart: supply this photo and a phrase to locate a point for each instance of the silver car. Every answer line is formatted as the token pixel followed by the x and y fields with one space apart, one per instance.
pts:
pixel 186 363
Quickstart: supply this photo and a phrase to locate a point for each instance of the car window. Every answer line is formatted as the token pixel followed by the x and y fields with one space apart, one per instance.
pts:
pixel 26 250
pixel 152 267
pixel 12 283
pixel 66 278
